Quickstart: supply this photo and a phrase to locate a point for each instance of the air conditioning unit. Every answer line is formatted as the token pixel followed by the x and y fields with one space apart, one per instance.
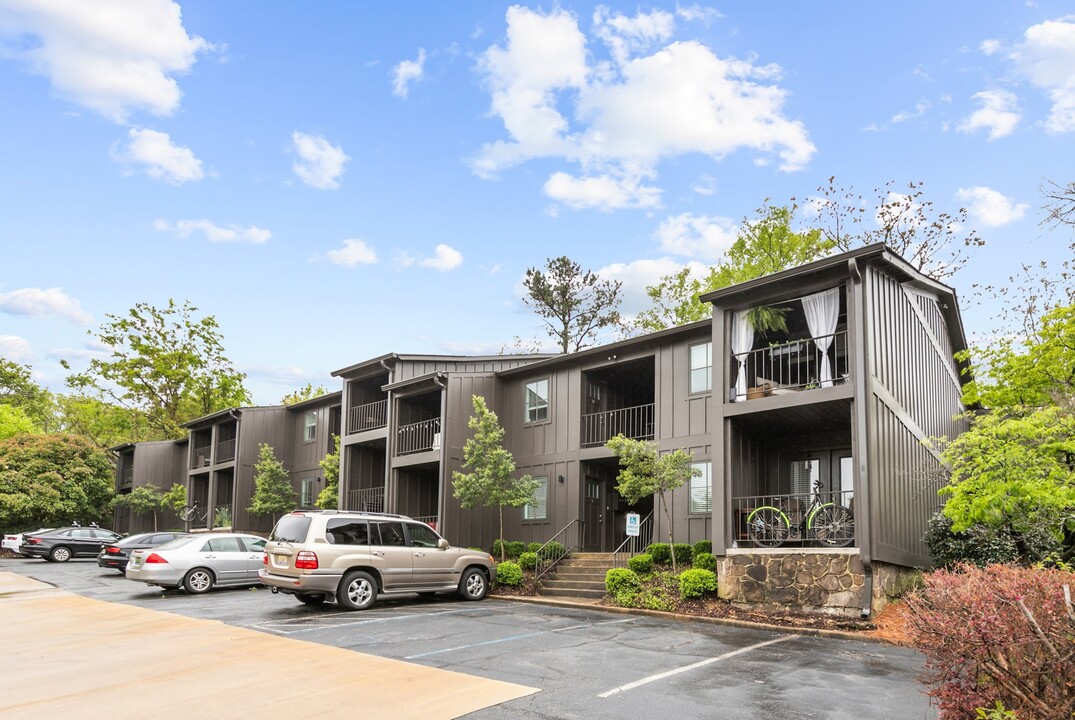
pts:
pixel 436 441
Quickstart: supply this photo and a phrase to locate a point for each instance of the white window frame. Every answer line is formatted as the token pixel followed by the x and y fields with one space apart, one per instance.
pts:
pixel 309 429
pixel 530 410
pixel 701 485
pixel 306 492
pixel 538 507
pixel 708 368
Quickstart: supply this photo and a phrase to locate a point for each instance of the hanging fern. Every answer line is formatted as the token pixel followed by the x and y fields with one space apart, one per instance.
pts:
pixel 768 318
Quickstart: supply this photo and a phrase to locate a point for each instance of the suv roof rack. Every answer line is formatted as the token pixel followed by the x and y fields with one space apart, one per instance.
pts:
pixel 363 512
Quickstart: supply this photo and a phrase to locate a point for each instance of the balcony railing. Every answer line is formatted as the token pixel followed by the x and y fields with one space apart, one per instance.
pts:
pixel 367 500
pixel 201 457
pixel 817 519
pixel 632 422
pixel 225 450
pixel 367 417
pixel 430 520
pixel 418 437
pixel 789 367
pixel 126 476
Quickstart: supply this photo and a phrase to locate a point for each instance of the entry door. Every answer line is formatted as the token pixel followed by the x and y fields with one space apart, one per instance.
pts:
pixel 594 517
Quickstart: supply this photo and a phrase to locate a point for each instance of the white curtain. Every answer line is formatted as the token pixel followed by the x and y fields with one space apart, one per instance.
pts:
pixel 822 312
pixel 742 342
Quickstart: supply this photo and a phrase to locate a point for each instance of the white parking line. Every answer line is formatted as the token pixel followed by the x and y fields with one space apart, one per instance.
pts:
pixel 312 624
pixel 687 668
pixel 515 637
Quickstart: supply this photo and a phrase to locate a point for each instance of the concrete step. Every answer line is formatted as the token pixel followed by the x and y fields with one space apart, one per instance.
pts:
pixel 572 585
pixel 561 570
pixel 588 594
pixel 585 562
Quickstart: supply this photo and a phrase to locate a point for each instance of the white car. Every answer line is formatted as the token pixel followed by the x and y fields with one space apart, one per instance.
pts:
pixel 12 541
pixel 200 562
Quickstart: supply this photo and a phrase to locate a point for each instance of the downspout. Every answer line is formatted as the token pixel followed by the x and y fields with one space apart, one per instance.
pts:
pixel 861 434
pixel 235 466
pixel 442 484
pixel 390 434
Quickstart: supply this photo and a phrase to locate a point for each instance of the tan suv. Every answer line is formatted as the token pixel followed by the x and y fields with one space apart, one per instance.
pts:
pixel 353 556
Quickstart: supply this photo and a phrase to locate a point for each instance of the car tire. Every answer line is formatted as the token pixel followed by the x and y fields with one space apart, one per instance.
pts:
pixel 357 591
pixel 60 554
pixel 312 599
pixel 473 585
pixel 198 581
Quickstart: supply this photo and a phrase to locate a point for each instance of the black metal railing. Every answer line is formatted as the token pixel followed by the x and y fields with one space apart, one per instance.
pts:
pixel 225 450
pixel 430 520
pixel 788 367
pixel 816 519
pixel 548 555
pixel 126 475
pixel 418 437
pixel 201 456
pixel 367 417
pixel 631 422
pixel 367 500
pixel 634 544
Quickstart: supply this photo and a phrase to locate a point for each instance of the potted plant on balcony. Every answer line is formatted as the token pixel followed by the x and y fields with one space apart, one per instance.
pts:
pixel 765 319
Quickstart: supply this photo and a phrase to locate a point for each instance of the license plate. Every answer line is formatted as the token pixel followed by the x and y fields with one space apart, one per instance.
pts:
pixel 281 559
pixel 137 562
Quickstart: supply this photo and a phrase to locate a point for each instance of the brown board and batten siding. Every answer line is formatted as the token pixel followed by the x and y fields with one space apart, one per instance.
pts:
pixel 159 463
pixel 914 394
pixel 257 425
pixel 305 457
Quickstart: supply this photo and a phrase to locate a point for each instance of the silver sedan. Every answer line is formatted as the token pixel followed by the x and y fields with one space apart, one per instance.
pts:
pixel 200 562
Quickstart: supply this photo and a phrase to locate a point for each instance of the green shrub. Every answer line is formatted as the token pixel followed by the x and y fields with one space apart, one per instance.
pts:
pixel 553 551
pixel 514 548
pixel 496 548
pixel 534 547
pixel 684 553
pixel 619 580
pixel 696 583
pixel 641 564
pixel 661 553
pixel 659 592
pixel 509 573
pixel 626 598
pixel 705 561
pixel 703 547
pixel 528 560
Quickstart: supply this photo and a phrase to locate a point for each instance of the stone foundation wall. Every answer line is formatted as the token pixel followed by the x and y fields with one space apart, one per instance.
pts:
pixel 810 580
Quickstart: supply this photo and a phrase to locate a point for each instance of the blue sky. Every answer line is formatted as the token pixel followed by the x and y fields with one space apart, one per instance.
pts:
pixel 334 181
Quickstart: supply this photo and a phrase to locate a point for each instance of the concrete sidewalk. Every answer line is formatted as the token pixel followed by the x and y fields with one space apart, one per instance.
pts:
pixel 64 655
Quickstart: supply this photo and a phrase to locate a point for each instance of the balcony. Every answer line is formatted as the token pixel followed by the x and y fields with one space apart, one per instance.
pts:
pixel 225 450
pixel 367 417
pixel 201 456
pixel 788 367
pixel 632 422
pixel 368 500
pixel 817 519
pixel 418 437
pixel 126 476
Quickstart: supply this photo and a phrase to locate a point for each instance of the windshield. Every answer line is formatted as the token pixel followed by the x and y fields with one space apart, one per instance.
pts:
pixel 291 528
pixel 173 544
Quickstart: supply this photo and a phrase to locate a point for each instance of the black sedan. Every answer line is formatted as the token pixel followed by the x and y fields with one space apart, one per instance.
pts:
pixel 65 543
pixel 116 555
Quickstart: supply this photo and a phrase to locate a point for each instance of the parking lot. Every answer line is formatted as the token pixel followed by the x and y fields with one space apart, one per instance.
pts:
pixel 587 663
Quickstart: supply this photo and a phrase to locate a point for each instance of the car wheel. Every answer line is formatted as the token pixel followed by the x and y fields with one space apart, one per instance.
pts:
pixel 473 586
pixel 311 600
pixel 60 554
pixel 197 581
pixel 357 591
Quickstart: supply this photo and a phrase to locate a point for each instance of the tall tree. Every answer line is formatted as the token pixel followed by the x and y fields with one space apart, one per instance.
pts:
pixel 167 364
pixel 273 492
pixel 14 421
pixel 144 499
pixel 329 497
pixel 104 424
pixel 766 244
pixel 491 481
pixel 573 303
pixel 51 480
pixel 644 473
pixel 302 394
pixel 18 390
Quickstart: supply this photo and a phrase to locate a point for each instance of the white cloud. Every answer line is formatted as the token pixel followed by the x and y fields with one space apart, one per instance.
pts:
pixel 1046 57
pixel 697 13
pixel 989 47
pixel 16 349
pixel 42 303
pixel 629 115
pixel 697 236
pixel 990 208
pixel 161 159
pixel 920 109
pixel 705 185
pixel 444 259
pixel 407 72
pixel 603 192
pixel 353 252
pixel 999 114
pixel 638 274
pixel 320 163
pixel 214 233
pixel 110 56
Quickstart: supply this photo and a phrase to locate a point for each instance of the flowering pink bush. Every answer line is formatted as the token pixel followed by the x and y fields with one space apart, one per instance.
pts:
pixel 999 633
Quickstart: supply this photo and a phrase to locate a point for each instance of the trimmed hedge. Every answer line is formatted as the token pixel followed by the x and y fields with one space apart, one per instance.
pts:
pixel 621 580
pixel 509 573
pixel 534 547
pixel 661 553
pixel 684 553
pixel 553 551
pixel 512 548
pixel 696 583
pixel 703 547
pixel 528 560
pixel 705 561
pixel 641 564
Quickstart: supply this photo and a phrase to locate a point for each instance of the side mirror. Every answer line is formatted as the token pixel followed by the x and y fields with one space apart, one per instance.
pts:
pixel 443 544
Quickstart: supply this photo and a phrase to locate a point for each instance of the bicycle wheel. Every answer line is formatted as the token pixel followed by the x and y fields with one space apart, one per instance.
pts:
pixel 833 525
pixel 188 513
pixel 767 527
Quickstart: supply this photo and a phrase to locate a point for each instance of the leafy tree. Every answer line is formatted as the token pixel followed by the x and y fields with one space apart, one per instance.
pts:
pixel 144 499
pixel 51 480
pixel 491 481
pixel 765 245
pixel 104 424
pixel 14 421
pixel 165 363
pixel 273 492
pixel 643 473
pixel 176 498
pixel 302 394
pixel 930 240
pixel 17 390
pixel 573 303
pixel 329 497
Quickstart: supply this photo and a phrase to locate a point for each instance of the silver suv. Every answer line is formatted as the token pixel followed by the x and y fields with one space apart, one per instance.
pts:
pixel 354 556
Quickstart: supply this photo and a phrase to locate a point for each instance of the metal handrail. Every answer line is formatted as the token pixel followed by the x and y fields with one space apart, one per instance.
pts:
pixel 789 366
pixel 366 500
pixel 795 510
pixel 570 538
pixel 368 416
pixel 632 422
pixel 418 437
pixel 633 545
pixel 225 450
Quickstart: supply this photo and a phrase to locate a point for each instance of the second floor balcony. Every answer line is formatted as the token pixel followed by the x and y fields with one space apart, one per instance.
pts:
pixel 635 423
pixel 368 416
pixel 418 437
pixel 225 450
pixel 792 366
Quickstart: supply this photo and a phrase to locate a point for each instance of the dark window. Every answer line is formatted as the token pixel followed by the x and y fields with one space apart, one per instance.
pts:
pixel 391 534
pixel 65 533
pixel 224 544
pixel 254 544
pixel 159 539
pixel 422 536
pixel 82 533
pixel 347 532
pixel 291 528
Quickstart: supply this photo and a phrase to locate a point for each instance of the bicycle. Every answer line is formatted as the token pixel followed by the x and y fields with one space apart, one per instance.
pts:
pixel 193 513
pixel 828 523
